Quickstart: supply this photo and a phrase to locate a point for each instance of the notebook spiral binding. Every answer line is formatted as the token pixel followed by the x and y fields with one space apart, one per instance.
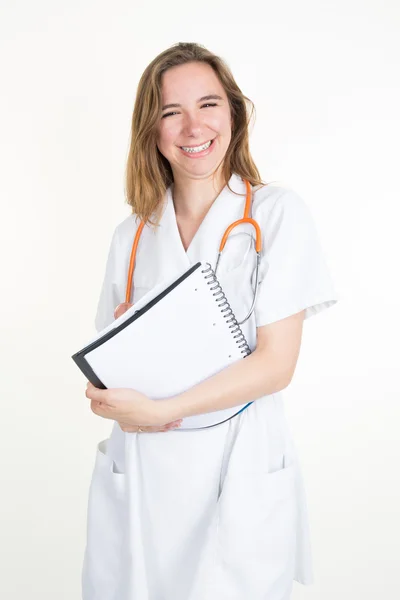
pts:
pixel 225 307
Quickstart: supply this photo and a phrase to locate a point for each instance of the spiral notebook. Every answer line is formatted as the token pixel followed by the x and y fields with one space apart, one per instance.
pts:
pixel 174 337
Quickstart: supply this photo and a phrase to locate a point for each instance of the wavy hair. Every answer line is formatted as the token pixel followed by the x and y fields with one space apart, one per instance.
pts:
pixel 148 172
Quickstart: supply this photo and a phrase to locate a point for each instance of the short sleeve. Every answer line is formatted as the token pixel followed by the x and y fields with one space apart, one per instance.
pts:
pixel 293 272
pixel 109 295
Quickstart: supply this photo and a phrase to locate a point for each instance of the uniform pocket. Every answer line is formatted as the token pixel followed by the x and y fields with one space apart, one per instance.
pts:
pixel 106 463
pixel 239 248
pixel 143 282
pixel 256 539
pixel 104 559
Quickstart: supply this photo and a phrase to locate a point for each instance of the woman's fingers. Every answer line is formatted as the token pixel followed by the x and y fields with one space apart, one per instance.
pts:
pixel 167 427
pixel 150 428
pixel 173 424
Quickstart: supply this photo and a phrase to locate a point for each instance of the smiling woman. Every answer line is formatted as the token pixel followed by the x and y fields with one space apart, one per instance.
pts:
pixel 218 513
pixel 197 130
pixel 200 147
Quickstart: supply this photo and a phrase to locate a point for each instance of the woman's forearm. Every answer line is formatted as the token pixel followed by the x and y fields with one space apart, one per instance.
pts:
pixel 257 375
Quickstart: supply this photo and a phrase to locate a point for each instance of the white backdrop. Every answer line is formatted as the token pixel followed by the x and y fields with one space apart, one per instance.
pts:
pixel 324 79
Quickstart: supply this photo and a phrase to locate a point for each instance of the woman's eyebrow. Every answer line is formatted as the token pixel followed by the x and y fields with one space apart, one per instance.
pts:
pixel 209 97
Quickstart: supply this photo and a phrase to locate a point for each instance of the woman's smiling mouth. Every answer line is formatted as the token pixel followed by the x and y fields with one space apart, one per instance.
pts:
pixel 198 150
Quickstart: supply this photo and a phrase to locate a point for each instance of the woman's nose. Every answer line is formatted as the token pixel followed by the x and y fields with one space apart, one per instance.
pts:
pixel 192 124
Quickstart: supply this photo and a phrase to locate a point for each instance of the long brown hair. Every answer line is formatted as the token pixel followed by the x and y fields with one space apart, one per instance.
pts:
pixel 148 172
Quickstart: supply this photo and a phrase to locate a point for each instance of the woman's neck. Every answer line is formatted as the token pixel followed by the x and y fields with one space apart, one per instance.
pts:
pixel 193 197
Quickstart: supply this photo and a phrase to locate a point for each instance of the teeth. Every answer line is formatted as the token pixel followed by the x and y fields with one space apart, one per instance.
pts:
pixel 197 148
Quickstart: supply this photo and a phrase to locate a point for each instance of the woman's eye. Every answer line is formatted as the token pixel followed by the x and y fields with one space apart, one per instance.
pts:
pixel 174 113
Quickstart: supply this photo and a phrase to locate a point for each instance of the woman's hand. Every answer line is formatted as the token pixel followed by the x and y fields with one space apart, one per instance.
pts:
pixel 150 428
pixel 127 406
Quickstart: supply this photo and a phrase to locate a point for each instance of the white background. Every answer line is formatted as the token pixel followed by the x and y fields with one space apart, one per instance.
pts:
pixel 324 77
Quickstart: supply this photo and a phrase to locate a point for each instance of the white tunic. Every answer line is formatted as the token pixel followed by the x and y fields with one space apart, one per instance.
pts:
pixel 216 514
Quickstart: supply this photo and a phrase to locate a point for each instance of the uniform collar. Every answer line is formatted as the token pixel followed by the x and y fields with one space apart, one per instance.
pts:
pixel 226 208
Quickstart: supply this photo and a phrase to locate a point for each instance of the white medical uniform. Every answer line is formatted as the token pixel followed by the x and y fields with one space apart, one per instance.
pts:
pixel 216 514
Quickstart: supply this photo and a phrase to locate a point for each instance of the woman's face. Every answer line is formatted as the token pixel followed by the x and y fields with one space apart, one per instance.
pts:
pixel 194 120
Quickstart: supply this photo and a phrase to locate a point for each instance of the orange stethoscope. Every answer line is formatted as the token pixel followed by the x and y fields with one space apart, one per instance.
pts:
pixel 123 307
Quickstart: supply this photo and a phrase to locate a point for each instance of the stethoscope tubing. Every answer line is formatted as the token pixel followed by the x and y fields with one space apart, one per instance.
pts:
pixel 246 219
